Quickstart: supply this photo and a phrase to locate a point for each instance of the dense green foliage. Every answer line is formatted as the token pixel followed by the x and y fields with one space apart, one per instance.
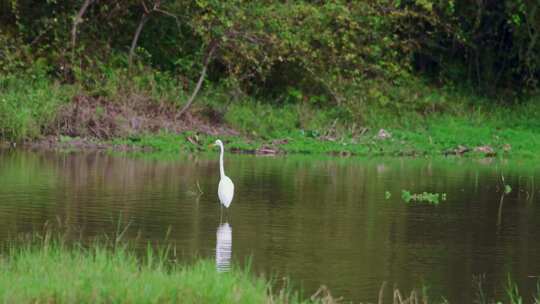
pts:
pixel 266 46
pixel 308 65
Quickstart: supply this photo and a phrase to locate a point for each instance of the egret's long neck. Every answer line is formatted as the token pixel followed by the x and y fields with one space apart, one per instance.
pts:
pixel 221 170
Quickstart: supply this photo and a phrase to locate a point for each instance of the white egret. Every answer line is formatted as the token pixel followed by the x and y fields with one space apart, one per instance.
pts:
pixel 226 186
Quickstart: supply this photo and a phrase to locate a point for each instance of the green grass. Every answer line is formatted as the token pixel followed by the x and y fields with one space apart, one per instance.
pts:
pixel 507 130
pixel 438 136
pixel 53 272
pixel 28 104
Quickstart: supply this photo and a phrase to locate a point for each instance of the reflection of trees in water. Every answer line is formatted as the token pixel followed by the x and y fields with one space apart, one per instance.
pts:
pixel 26 201
pixel 325 212
pixel 91 191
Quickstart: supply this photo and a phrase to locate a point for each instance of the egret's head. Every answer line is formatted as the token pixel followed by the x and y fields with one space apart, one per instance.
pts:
pixel 217 143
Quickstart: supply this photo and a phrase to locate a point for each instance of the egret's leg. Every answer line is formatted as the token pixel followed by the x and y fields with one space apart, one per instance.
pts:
pixel 220 213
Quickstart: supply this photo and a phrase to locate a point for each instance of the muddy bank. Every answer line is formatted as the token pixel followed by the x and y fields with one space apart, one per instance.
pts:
pixel 94 122
pixel 102 119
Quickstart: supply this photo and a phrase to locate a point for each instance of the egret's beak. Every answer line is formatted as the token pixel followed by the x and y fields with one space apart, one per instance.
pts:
pixel 211 145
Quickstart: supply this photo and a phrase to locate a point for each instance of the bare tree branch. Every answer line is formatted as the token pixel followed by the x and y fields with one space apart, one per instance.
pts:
pixel 213 47
pixel 144 19
pixel 145 7
pixel 533 37
pixel 164 12
pixel 78 19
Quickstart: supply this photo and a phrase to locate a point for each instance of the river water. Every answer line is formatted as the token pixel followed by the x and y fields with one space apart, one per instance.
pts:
pixel 317 220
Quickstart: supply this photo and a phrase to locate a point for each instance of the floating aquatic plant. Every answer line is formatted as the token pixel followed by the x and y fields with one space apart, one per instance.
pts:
pixel 427 197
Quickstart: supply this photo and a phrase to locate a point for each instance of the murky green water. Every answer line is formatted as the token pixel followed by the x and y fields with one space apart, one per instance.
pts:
pixel 318 221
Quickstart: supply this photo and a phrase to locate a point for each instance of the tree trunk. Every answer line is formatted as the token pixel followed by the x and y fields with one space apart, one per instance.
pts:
pixel 78 19
pixel 143 21
pixel 200 81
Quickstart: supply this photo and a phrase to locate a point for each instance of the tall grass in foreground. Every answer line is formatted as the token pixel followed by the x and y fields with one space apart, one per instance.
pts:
pixel 45 269
pixel 53 272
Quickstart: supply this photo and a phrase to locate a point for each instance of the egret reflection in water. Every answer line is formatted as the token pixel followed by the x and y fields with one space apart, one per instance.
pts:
pixel 223 247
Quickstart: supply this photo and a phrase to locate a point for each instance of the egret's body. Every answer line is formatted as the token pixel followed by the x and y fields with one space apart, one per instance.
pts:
pixel 226 186
pixel 225 191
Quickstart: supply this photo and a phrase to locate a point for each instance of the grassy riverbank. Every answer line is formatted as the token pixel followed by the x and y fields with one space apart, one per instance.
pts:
pixel 56 273
pixel 502 133
pixel 445 135
pixel 140 114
